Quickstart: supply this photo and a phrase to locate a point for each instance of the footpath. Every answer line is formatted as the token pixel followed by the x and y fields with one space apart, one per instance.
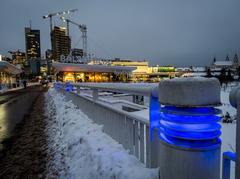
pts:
pixel 24 153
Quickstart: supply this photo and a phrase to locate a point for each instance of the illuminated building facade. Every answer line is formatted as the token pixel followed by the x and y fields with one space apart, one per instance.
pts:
pixel 145 73
pixel 18 58
pixel 156 73
pixel 141 71
pixel 32 41
pixel 61 43
pixel 8 74
pixel 91 73
pixel 106 70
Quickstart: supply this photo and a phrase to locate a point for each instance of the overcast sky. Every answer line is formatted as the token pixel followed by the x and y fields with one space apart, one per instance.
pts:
pixel 166 32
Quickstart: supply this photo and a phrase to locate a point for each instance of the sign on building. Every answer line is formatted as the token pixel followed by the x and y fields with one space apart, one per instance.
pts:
pixel 71 59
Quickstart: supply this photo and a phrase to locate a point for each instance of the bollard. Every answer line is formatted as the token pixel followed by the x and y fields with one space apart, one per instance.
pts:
pixel 95 95
pixel 67 87
pixel 189 132
pixel 234 98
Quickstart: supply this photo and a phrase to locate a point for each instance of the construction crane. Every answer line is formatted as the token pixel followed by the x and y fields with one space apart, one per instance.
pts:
pixel 83 29
pixel 57 14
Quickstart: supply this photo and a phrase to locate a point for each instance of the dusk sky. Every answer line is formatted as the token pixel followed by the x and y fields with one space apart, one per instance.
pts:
pixel 166 32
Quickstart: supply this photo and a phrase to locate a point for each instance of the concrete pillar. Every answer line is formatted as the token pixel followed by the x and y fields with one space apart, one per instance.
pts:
pixel 189 133
pixel 237 168
pixel 234 99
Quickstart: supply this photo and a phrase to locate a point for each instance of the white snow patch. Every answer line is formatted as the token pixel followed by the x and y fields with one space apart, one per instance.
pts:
pixel 82 150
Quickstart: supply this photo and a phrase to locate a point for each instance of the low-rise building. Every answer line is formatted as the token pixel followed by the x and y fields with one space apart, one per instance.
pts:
pixel 75 72
pixel 144 72
pixel 8 74
pixel 140 73
pixel 107 70
pixel 227 63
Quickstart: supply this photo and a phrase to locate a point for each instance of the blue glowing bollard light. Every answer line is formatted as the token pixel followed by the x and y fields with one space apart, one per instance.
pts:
pixel 190 127
pixel 68 86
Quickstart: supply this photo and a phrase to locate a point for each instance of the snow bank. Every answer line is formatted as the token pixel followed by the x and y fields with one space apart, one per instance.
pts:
pixel 81 150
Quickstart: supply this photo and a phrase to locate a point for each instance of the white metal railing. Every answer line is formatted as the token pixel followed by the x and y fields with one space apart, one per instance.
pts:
pixel 135 88
pixel 130 130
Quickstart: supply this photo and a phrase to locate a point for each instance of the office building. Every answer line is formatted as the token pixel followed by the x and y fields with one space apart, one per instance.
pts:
pixel 32 41
pixel 61 43
pixel 77 52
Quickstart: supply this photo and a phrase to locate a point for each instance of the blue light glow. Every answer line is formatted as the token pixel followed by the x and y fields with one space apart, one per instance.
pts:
pixel 187 127
pixel 190 127
pixel 73 88
pixel 67 86
pixel 154 115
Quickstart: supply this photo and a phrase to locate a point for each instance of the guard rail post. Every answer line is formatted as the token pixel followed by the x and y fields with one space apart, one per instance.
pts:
pixel 234 99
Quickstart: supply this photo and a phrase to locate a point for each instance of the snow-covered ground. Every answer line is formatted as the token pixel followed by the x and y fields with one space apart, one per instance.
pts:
pixel 81 150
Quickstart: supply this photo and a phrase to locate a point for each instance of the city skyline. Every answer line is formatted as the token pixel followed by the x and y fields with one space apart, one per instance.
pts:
pixel 163 32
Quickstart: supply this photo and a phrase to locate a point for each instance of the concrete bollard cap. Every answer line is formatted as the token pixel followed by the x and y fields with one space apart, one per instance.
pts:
pixel 234 96
pixel 190 92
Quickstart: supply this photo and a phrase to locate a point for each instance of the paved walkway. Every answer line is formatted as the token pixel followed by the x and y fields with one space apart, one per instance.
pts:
pixel 24 154
pixel 13 106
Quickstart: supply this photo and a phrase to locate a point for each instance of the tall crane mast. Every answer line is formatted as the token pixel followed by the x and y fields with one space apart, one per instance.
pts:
pixel 57 14
pixel 83 29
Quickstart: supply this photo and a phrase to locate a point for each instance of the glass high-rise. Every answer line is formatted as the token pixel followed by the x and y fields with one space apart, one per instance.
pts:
pixel 33 46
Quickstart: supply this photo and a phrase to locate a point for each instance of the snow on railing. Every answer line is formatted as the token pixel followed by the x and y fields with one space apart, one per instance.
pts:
pixel 145 89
